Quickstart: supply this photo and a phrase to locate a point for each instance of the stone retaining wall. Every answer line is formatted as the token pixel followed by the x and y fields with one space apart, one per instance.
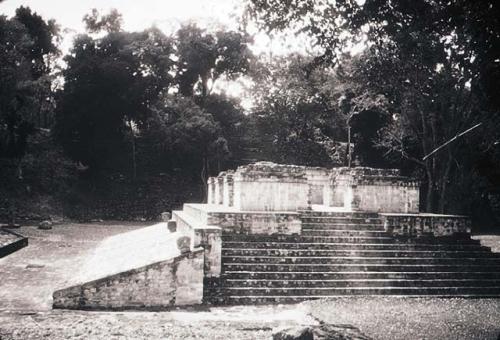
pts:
pixel 257 222
pixel 417 225
pixel 175 282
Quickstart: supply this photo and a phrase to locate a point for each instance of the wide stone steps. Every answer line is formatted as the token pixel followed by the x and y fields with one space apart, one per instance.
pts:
pixel 227 260
pixel 311 267
pixel 279 252
pixel 339 254
pixel 334 239
pixel 328 291
pixel 343 226
pixel 351 246
pixel 357 283
pixel 270 299
pixel 343 233
pixel 361 275
pixel 342 220
pixel 337 214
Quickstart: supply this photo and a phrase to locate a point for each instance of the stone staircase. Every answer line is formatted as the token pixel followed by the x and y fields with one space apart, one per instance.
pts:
pixel 341 254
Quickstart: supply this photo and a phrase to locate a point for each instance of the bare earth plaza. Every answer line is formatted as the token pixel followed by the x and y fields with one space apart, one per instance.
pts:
pixel 250 169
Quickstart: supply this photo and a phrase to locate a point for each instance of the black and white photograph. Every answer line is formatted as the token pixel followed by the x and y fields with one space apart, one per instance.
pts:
pixel 250 169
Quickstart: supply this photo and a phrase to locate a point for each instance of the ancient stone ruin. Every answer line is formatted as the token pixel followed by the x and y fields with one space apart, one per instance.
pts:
pixel 272 233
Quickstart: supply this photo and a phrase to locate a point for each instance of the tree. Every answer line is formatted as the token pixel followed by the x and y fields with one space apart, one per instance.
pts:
pixel 191 135
pixel 230 116
pixel 27 48
pixel 205 57
pixel 294 120
pixel 110 86
pixel 347 96
pixel 433 61
pixel 111 22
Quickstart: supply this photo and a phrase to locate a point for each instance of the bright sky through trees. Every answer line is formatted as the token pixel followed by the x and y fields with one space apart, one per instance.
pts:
pixel 139 15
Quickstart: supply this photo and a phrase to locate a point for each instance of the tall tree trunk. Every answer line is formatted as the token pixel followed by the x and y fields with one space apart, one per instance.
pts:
pixel 349 156
pixel 134 160
pixel 444 184
pixel 204 88
pixel 429 197
pixel 203 176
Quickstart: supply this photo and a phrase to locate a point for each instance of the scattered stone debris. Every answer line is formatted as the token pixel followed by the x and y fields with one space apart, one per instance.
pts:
pixel 10 226
pixel 323 331
pixel 184 244
pixel 165 216
pixel 172 226
pixel 45 225
pixel 35 266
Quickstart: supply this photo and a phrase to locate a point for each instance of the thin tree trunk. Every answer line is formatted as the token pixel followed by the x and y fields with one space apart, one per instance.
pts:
pixel 349 144
pixel 134 160
pixel 444 184
pixel 429 197
pixel 203 176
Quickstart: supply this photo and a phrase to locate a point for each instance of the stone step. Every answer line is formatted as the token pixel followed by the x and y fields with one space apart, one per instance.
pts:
pixel 357 267
pixel 350 246
pixel 305 238
pixel 353 275
pixel 368 283
pixel 358 214
pixel 343 226
pixel 341 220
pixel 343 233
pixel 326 291
pixel 337 239
pixel 359 253
pixel 289 299
pixel 359 260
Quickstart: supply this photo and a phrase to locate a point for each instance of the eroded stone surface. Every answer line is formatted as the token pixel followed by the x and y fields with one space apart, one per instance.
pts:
pixel 266 186
pixel 160 285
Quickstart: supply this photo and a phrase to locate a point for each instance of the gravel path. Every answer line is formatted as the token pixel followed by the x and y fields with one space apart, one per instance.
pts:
pixel 238 323
pixel 394 318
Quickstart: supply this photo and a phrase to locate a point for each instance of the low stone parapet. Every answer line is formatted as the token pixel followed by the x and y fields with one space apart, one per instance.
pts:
pixel 263 223
pixel 202 235
pixel 418 225
pixel 232 220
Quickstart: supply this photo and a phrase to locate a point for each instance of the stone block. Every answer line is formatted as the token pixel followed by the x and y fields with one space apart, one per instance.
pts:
pixel 184 244
pixel 165 216
pixel 45 225
pixel 172 226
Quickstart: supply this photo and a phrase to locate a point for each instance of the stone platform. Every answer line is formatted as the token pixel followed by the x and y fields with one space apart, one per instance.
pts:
pixel 274 233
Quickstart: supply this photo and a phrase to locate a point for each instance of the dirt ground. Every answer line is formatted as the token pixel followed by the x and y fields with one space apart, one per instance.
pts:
pixel 29 276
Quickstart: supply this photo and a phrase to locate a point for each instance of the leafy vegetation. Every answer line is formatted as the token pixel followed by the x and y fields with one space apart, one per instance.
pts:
pixel 132 107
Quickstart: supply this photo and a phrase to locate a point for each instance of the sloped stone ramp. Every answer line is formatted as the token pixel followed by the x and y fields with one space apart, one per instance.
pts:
pixel 140 269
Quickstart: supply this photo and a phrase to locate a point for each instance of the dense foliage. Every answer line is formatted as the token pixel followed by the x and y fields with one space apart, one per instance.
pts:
pixel 430 66
pixel 129 109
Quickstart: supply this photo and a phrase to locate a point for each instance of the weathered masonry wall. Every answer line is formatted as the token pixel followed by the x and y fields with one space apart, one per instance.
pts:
pixel 192 223
pixel 270 187
pixel 195 217
pixel 417 225
pixel 257 223
pixel 266 186
pixel 383 190
pixel 174 282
